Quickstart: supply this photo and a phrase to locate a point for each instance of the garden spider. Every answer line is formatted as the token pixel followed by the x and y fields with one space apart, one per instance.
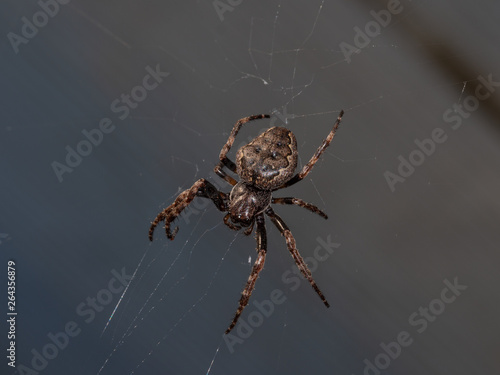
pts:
pixel 264 165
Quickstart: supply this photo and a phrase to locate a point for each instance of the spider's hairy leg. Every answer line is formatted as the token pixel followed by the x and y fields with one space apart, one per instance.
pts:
pixel 201 188
pixel 290 242
pixel 224 160
pixel 220 172
pixel 299 202
pixel 229 143
pixel 307 168
pixel 261 237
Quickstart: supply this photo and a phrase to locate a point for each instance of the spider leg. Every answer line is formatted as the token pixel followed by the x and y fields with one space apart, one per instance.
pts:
pixel 201 188
pixel 290 241
pixel 261 238
pixel 307 168
pixel 224 160
pixel 300 203
pixel 220 172
pixel 229 143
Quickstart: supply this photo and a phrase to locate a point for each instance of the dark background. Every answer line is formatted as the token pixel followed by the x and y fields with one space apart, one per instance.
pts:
pixel 396 248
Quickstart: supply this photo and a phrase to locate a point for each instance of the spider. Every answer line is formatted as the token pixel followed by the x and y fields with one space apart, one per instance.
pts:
pixel 264 165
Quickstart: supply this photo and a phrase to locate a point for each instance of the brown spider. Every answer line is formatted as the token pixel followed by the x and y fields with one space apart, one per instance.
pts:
pixel 264 165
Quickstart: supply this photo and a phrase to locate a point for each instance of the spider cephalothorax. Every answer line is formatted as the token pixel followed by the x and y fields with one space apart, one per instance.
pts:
pixel 264 165
pixel 245 202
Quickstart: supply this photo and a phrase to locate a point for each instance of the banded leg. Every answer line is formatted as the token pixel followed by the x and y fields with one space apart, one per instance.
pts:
pixel 290 242
pixel 220 172
pixel 299 202
pixel 224 160
pixel 201 188
pixel 307 168
pixel 261 238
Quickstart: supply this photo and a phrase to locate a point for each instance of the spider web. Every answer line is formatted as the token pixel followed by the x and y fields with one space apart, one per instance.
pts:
pixel 153 300
pixel 156 296
pixel 263 62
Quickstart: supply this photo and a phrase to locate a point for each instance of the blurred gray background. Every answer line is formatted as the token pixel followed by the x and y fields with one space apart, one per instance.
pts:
pixel 394 248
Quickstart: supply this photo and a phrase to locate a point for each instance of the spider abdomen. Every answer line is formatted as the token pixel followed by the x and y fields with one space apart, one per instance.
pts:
pixel 245 202
pixel 269 160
